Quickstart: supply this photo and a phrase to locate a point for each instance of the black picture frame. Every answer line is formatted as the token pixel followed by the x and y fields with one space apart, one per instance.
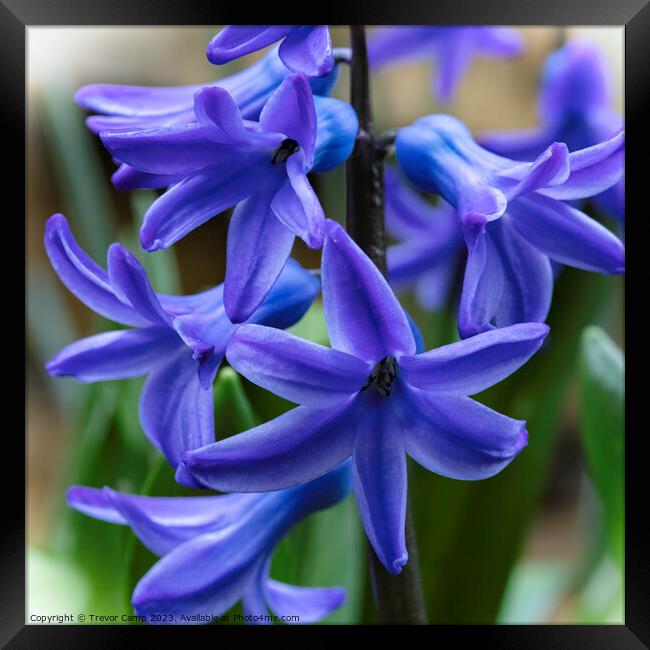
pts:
pixel 16 16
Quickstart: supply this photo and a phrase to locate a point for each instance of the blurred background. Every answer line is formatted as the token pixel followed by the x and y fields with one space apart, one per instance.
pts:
pixel 541 542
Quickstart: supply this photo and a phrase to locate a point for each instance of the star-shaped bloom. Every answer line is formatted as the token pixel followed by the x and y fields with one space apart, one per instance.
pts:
pixel 514 216
pixel 304 48
pixel 178 341
pixel 431 251
pixel 574 108
pixel 370 396
pixel 452 47
pixel 216 550
pixel 261 167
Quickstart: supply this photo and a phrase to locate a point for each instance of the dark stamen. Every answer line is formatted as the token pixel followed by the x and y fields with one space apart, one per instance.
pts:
pixel 382 376
pixel 287 148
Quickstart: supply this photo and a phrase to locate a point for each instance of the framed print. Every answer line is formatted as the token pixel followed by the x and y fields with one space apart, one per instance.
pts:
pixel 326 324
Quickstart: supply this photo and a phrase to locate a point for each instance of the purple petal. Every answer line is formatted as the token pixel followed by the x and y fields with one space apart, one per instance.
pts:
pixel 550 168
pixel 593 170
pixel 82 276
pixel 128 178
pixel 362 313
pixel 290 110
pixel 217 112
pixel 434 287
pixel 501 41
pixel 95 503
pixel 388 45
pixel 207 335
pixel 194 201
pixel 296 369
pixel 253 602
pixel 408 214
pixel 176 150
pixel 310 604
pixel 162 523
pixel 131 284
pixel 289 299
pixel 97 124
pixel 409 260
pixel 258 247
pixel 298 207
pixel 206 575
pixel 295 447
pixel 115 355
pixel 380 484
pixel 457 437
pixel 308 49
pixel 455 57
pixel 507 281
pixel 219 115
pixel 518 145
pixel 470 366
pixel 574 82
pixel 234 41
pixel 568 235
pixel 176 413
pixel 132 101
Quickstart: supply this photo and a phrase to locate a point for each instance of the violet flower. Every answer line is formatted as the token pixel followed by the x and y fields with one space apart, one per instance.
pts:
pixel 216 550
pixel 514 216
pixel 371 397
pixel 178 341
pixel 147 107
pixel 452 47
pixel 305 48
pixel 574 108
pixel 262 168
pixel 431 251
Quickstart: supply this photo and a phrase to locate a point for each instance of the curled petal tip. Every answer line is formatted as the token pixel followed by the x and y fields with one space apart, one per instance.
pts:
pixel 398 564
pixel 522 441
pixel 52 368
pixel 150 244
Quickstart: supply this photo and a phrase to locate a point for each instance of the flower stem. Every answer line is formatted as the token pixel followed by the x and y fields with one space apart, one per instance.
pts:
pixel 399 598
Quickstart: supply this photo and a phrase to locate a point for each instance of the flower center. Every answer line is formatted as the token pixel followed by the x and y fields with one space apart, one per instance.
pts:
pixel 382 376
pixel 286 148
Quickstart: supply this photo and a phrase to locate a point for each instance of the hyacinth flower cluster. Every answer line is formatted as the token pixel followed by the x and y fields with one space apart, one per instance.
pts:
pixel 515 216
pixel 261 167
pixel 178 341
pixel 129 108
pixel 216 550
pixel 574 108
pixel 370 396
pixel 373 396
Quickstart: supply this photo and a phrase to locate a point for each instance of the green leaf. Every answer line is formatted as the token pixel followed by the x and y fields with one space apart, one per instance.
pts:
pixel 161 266
pixel 81 177
pixel 470 533
pixel 312 325
pixel 327 549
pixel 602 396
pixel 233 410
